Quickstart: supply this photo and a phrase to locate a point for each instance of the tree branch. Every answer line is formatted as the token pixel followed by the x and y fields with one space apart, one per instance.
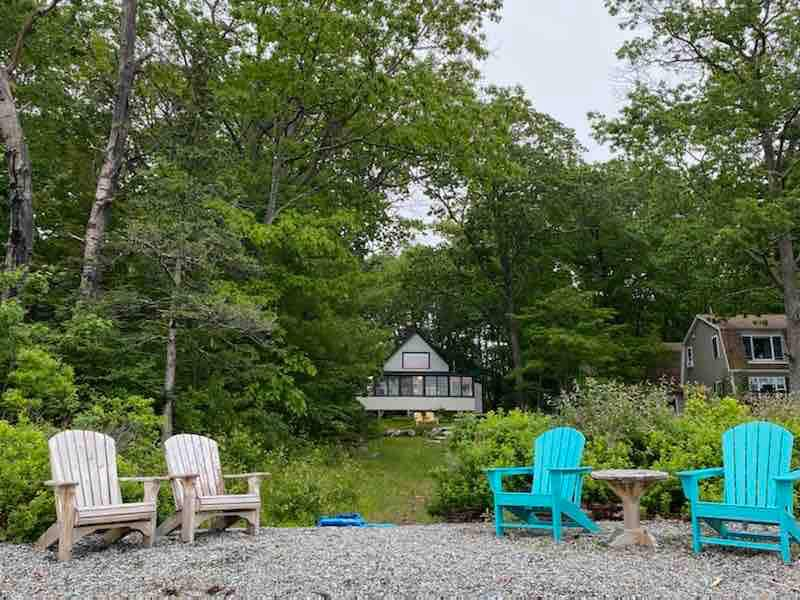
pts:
pixel 27 27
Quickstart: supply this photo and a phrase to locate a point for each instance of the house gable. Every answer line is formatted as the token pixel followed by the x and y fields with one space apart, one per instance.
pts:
pixel 706 368
pixel 411 357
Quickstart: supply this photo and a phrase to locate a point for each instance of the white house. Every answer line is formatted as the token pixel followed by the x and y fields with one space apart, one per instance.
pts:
pixel 417 378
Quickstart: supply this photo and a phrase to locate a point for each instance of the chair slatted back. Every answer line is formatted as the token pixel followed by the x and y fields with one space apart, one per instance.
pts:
pixel 559 447
pixel 752 454
pixel 189 453
pixel 90 458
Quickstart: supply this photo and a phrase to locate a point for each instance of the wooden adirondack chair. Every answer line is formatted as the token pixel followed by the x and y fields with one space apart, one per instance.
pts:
pixel 556 489
pixel 88 499
pixel 756 458
pixel 199 488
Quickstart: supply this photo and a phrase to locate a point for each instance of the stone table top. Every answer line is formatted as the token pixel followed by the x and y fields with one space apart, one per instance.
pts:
pixel 629 475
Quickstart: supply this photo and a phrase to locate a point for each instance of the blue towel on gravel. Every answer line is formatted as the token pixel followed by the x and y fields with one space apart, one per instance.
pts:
pixel 348 520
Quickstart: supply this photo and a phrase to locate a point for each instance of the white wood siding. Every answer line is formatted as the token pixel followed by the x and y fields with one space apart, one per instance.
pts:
pixel 416 344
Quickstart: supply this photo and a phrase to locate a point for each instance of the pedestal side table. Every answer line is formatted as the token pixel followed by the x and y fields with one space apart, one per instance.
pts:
pixel 629 485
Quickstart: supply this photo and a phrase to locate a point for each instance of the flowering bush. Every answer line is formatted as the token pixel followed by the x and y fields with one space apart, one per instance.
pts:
pixel 626 426
pixel 499 439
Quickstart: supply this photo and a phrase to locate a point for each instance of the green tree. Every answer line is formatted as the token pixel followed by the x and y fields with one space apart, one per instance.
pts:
pixel 502 193
pixel 727 107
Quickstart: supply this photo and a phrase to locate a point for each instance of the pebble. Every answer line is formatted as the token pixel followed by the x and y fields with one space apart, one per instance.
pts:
pixel 420 561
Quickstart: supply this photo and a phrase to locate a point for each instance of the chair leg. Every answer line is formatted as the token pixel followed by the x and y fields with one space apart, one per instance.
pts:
pixel 581 518
pixel 696 545
pixel 113 535
pixel 49 537
pixel 498 520
pixel 65 536
pixel 149 538
pixel 253 522
pixel 786 551
pixel 556 516
pixel 188 519
pixel 719 526
pixel 170 524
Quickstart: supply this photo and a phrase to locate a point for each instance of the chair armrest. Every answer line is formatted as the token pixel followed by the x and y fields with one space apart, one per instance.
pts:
pixel 61 484
pixel 690 481
pixel 496 475
pixel 152 486
pixel 253 481
pixel 503 471
pixel 699 474
pixel 571 470
pixel 789 477
pixel 187 476
pixel 247 475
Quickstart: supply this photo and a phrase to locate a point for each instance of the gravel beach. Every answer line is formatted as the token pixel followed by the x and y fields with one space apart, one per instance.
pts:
pixel 430 561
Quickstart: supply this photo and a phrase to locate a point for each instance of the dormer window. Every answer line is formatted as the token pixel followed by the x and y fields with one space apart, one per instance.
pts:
pixel 416 360
pixel 763 347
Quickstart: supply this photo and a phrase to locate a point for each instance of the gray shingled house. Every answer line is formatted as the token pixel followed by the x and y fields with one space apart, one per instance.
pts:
pixel 736 354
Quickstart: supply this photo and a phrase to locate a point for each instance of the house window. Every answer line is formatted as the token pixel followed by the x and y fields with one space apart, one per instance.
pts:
pixel 405 386
pixel 466 386
pixel 767 384
pixel 718 388
pixel 715 347
pixel 442 385
pixel 380 387
pixel 689 356
pixel 393 386
pixel 416 360
pixel 418 383
pixel 455 386
pixel 763 347
pixel 430 386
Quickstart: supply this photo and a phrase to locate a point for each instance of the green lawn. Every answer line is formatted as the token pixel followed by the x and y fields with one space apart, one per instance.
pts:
pixel 398 482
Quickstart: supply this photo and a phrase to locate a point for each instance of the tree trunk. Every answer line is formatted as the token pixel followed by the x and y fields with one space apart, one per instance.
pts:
pixel 108 179
pixel 19 248
pixel 274 185
pixel 169 380
pixel 514 333
pixel 791 304
pixel 171 363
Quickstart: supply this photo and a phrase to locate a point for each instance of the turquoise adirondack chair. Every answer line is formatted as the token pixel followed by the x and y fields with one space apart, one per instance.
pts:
pixel 756 458
pixel 556 489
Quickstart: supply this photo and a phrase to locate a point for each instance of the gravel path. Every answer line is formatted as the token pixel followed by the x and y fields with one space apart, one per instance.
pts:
pixel 432 561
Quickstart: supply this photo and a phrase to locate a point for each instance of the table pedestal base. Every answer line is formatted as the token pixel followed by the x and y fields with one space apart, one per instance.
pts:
pixel 635 537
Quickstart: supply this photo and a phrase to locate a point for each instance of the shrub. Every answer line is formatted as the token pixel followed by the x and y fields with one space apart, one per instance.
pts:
pixel 130 420
pixel 694 442
pixel 618 421
pixel 41 387
pixel 625 427
pixel 500 439
pixel 306 485
pixel 26 506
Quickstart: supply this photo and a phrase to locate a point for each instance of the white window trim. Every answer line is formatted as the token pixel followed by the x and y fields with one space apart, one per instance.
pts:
pixel 777 381
pixel 718 387
pixel 784 360
pixel 690 356
pixel 715 349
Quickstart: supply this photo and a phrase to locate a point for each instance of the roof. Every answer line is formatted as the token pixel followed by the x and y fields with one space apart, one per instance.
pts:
pixel 731 342
pixel 749 322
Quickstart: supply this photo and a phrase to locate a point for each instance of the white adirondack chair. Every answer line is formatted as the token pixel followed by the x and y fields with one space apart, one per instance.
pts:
pixel 88 499
pixel 199 488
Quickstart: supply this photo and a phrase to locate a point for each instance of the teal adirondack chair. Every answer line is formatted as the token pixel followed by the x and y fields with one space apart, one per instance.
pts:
pixel 757 489
pixel 556 489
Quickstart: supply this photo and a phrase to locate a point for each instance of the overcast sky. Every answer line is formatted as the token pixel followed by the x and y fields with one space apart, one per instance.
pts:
pixel 563 53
